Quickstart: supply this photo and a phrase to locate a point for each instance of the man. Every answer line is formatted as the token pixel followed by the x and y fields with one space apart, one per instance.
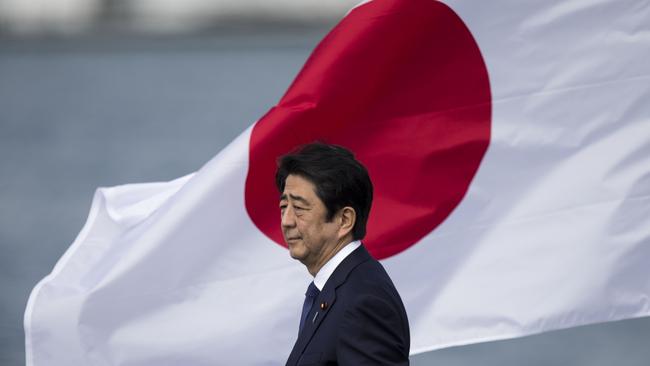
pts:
pixel 352 314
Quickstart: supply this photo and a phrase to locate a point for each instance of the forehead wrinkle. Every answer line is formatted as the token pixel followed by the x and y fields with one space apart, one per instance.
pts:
pixel 298 198
pixel 293 197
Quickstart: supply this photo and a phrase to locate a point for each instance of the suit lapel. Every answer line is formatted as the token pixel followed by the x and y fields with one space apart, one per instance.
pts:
pixel 328 297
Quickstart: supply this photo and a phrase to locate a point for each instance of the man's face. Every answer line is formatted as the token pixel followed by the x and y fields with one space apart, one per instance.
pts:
pixel 304 226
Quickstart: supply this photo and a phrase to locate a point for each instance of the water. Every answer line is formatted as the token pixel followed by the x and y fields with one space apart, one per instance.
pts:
pixel 78 114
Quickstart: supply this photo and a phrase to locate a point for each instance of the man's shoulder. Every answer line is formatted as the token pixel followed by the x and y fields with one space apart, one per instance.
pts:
pixel 372 305
pixel 369 278
pixel 367 270
pixel 359 277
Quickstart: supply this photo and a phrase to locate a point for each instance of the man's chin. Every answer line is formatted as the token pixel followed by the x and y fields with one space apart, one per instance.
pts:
pixel 295 252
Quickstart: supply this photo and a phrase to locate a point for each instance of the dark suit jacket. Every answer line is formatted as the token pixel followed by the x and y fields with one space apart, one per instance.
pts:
pixel 357 319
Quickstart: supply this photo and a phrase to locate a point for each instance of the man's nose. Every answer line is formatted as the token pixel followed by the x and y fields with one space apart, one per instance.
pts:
pixel 288 217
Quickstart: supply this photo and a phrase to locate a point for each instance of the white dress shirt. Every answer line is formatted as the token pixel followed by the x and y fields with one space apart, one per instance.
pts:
pixel 328 268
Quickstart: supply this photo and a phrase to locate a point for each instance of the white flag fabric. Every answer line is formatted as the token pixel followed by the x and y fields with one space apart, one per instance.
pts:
pixel 509 144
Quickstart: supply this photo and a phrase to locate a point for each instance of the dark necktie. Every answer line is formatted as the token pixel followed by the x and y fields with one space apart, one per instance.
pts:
pixel 310 297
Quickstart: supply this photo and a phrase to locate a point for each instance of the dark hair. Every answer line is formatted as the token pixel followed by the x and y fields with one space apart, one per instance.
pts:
pixel 339 178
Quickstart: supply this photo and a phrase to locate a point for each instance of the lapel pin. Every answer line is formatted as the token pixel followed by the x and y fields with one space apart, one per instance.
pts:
pixel 323 305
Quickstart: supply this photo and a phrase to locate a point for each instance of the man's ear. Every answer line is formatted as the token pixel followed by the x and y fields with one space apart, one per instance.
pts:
pixel 347 217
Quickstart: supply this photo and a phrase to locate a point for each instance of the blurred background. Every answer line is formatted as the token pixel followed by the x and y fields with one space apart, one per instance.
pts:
pixel 106 92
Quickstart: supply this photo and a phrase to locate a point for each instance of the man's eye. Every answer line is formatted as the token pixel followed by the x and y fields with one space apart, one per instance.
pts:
pixel 299 208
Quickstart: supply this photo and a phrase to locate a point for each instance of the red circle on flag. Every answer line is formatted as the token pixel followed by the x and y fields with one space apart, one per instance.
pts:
pixel 403 85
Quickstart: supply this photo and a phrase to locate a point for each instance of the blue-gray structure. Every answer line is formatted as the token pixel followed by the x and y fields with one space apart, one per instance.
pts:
pixel 76 114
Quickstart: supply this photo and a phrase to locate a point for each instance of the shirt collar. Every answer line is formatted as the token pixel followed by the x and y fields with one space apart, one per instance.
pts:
pixel 328 268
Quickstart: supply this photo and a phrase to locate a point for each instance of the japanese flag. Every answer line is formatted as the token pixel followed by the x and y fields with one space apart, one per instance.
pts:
pixel 509 147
